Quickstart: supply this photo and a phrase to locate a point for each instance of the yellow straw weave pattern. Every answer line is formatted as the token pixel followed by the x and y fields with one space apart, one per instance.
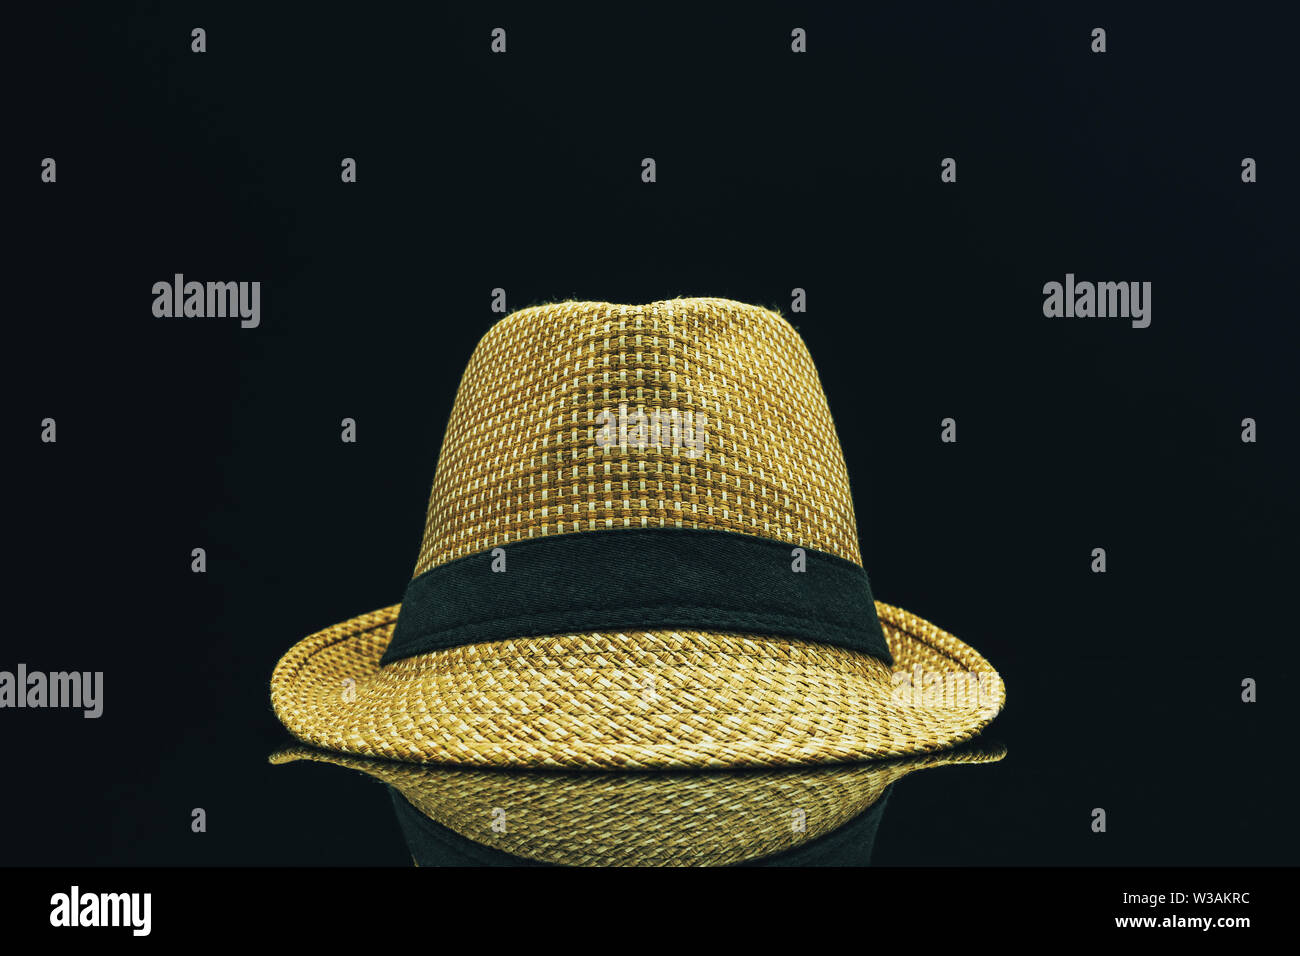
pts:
pixel 521 459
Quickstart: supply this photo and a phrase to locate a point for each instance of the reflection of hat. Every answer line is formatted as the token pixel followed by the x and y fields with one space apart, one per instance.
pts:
pixel 640 551
pixel 792 816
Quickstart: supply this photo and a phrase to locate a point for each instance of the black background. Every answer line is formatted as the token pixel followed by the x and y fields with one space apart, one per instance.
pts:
pixel 775 170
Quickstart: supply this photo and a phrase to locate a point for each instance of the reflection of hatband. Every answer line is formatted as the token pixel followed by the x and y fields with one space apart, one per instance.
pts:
pixel 464 816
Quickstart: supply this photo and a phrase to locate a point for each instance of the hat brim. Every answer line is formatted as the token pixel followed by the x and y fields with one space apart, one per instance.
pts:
pixel 637 700
pixel 691 818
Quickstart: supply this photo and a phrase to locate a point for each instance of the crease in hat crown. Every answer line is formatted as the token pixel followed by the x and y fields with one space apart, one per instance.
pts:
pixel 520 456
pixel 520 460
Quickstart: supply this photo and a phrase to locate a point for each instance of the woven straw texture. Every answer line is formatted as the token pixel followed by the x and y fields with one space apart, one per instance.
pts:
pixel 638 819
pixel 522 459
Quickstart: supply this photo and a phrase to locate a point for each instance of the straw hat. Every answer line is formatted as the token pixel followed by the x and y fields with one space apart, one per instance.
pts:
pixel 640 552
pixel 792 816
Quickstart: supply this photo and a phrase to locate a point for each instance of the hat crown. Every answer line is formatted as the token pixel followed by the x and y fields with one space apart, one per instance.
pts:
pixel 584 416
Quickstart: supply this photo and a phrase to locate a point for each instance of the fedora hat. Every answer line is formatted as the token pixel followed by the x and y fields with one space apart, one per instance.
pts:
pixel 640 551
pixel 791 816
